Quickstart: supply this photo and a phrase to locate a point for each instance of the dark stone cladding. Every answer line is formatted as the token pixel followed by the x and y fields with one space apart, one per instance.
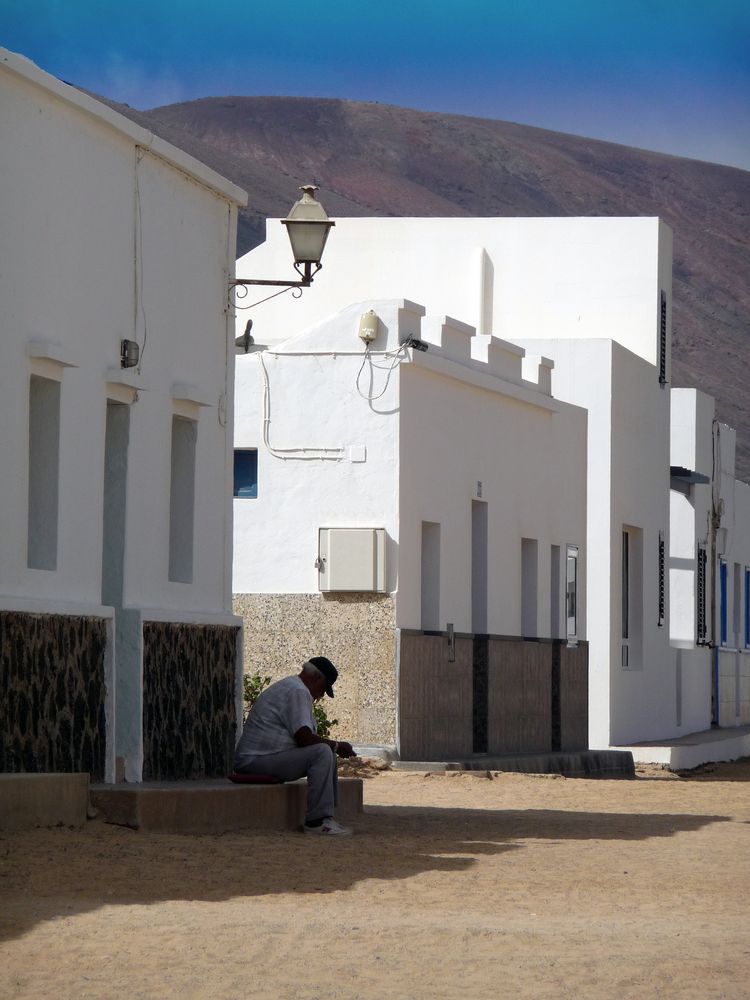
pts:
pixel 189 721
pixel 555 696
pixel 480 683
pixel 52 690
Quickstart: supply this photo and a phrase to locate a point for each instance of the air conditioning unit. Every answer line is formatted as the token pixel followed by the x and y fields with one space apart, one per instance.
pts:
pixel 351 559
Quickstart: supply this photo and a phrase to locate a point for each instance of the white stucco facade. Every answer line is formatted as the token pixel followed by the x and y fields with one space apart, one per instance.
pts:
pixel 628 449
pixel 709 567
pixel 115 489
pixel 475 476
pixel 443 429
pixel 594 295
pixel 582 278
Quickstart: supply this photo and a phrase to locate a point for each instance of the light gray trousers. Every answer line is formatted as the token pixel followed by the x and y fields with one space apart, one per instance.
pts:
pixel 317 763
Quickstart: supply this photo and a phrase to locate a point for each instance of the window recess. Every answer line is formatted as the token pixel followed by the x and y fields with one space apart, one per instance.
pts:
pixel 246 473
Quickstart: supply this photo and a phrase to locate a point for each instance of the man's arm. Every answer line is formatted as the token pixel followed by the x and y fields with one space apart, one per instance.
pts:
pixel 305 737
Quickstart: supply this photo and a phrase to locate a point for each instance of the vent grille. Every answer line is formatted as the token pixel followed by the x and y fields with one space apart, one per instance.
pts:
pixel 663 340
pixel 701 594
pixel 662 585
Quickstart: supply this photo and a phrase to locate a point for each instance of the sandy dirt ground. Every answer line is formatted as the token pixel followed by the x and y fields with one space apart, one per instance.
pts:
pixel 455 886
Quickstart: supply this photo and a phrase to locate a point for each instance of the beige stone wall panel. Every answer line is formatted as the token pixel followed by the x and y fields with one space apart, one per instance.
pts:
pixel 355 631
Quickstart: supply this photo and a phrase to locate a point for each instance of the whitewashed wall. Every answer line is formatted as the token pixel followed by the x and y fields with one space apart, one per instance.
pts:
pixel 568 289
pixel 628 485
pixel 643 695
pixel 81 189
pixel 108 233
pixel 442 425
pixel 545 278
pixel 692 415
pixel 691 432
pixel 314 404
pixel 702 444
pixel 524 457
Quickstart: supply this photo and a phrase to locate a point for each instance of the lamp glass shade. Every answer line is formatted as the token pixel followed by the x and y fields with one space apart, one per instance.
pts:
pixel 308 226
pixel 308 240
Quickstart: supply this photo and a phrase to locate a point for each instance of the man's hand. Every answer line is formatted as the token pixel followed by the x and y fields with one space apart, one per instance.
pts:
pixel 305 737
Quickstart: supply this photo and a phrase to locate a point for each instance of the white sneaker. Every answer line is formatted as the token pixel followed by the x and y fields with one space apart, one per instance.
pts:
pixel 329 828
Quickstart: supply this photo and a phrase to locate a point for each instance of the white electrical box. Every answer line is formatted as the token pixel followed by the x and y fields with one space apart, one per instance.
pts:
pixel 351 559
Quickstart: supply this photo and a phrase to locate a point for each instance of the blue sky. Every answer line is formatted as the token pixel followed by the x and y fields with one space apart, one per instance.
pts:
pixel 671 75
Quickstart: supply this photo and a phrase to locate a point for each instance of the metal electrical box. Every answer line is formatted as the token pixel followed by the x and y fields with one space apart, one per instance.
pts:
pixel 351 559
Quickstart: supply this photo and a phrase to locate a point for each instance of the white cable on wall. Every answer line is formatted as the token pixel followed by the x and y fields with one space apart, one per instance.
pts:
pixel 395 357
pixel 324 454
pixel 310 454
pixel 139 307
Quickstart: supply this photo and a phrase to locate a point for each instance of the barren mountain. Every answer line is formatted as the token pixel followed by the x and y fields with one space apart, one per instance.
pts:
pixel 373 159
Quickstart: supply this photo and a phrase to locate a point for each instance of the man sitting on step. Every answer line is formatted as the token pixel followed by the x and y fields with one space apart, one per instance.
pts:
pixel 279 738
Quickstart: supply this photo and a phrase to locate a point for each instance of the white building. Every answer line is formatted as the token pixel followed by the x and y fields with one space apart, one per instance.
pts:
pixel 116 632
pixel 411 513
pixel 631 684
pixel 595 296
pixel 709 568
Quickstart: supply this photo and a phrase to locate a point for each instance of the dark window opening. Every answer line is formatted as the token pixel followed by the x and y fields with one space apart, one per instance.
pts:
pixel 246 473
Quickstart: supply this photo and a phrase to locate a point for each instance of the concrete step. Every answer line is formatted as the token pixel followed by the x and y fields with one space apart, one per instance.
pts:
pixel 215 806
pixel 580 764
pixel 30 800
pixel 692 750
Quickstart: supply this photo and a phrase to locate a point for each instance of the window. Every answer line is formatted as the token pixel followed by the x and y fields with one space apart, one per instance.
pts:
pixel 660 621
pixel 430 573
pixel 700 595
pixel 723 586
pixel 478 567
pixel 529 588
pixel 44 469
pixel 571 592
pixel 246 473
pixel 747 607
pixel 114 507
pixel 182 500
pixel 663 339
pixel 554 592
pixel 632 598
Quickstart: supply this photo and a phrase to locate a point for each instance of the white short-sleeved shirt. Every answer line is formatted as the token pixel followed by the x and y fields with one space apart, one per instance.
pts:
pixel 277 714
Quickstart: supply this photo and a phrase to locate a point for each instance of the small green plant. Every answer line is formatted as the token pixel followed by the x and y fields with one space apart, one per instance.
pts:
pixel 255 684
pixel 323 723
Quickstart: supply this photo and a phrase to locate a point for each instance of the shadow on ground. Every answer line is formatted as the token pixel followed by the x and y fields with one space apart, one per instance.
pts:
pixel 721 770
pixel 48 874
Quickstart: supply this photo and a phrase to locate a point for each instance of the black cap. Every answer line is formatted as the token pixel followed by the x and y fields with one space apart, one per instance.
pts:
pixel 327 669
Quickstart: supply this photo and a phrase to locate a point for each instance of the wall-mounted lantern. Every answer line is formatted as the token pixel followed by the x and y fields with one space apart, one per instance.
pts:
pixel 308 227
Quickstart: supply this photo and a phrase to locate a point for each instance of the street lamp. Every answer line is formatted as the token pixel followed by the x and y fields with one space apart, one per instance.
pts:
pixel 308 227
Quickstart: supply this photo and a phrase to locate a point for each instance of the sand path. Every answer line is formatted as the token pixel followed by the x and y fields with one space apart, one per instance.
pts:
pixel 455 886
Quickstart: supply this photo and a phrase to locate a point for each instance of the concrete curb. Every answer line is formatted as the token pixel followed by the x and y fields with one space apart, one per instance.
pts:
pixel 583 764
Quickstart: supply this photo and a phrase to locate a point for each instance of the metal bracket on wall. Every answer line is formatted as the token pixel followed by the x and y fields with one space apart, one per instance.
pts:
pixel 451 643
